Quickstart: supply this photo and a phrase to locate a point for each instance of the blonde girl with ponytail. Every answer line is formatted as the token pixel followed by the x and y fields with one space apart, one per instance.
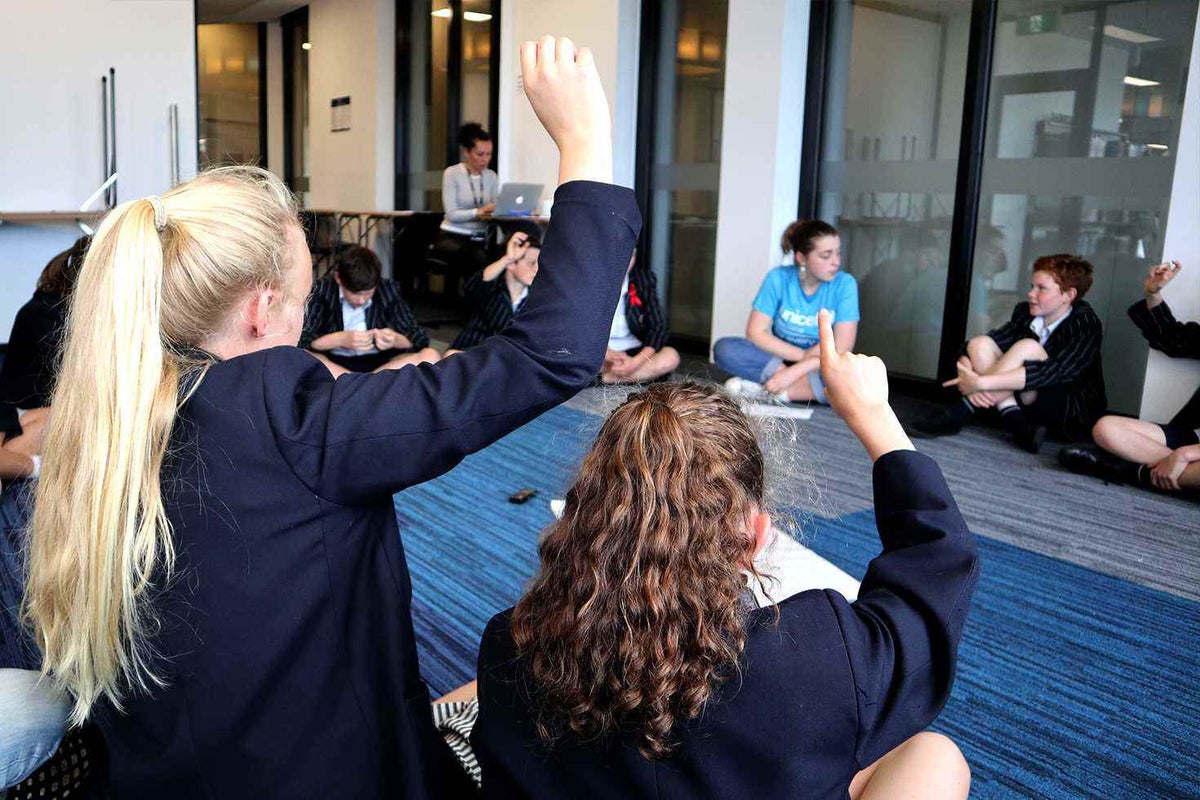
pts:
pixel 215 572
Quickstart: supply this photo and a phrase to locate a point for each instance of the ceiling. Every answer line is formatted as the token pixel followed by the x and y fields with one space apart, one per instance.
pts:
pixel 208 11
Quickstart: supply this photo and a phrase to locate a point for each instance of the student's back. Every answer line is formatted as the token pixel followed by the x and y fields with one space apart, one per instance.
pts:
pixel 597 684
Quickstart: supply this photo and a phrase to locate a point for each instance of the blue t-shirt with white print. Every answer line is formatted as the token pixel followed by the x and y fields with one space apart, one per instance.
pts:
pixel 794 314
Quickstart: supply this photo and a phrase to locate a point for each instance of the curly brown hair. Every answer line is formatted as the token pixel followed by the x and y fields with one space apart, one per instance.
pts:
pixel 637 613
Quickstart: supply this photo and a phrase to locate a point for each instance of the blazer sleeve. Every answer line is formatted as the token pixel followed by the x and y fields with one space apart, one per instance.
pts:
pixel 367 435
pixel 902 633
pixel 402 319
pixel 1071 349
pixel 318 316
pixel 1165 333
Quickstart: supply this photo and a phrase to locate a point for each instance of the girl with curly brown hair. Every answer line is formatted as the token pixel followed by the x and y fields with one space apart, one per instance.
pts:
pixel 637 664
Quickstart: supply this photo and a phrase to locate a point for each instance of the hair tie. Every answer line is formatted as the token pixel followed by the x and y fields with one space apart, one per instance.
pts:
pixel 160 211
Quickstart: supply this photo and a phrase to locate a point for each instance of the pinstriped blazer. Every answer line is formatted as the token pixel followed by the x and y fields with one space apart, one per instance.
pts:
pixel 1175 339
pixel 387 310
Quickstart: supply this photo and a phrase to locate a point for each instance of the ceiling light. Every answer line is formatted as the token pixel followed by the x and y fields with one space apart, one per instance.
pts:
pixel 443 13
pixel 306 46
pixel 1158 147
pixel 475 16
pixel 1132 81
pixel 1126 35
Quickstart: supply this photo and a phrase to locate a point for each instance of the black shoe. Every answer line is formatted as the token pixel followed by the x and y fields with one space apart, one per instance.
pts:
pixel 937 424
pixel 1082 459
pixel 1030 438
pixel 1090 460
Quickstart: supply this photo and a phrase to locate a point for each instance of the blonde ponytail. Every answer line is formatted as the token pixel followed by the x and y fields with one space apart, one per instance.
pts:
pixel 160 277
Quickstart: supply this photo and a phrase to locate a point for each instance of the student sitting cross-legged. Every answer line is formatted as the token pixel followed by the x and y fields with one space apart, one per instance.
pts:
pixel 1041 371
pixel 498 291
pixel 357 322
pixel 638 664
pixel 637 343
pixel 1146 453
pixel 779 358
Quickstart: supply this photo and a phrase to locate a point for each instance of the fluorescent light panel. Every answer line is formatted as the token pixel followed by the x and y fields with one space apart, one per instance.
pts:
pixel 442 13
pixel 1158 147
pixel 1132 81
pixel 468 16
pixel 1126 35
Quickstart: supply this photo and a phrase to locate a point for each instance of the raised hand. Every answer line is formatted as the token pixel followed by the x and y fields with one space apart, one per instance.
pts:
pixel 564 89
pixel 1160 275
pixel 518 243
pixel 857 388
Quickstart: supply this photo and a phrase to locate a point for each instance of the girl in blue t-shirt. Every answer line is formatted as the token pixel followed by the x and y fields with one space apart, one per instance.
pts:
pixel 780 357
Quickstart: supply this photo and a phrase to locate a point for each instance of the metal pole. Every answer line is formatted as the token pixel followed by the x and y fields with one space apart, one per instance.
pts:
pixel 104 125
pixel 112 96
pixel 173 135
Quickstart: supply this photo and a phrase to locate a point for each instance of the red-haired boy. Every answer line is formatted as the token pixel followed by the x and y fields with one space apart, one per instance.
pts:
pixel 1041 371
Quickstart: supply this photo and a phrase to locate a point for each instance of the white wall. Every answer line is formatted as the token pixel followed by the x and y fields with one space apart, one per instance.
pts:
pixel 765 62
pixel 353 53
pixel 610 29
pixel 52 54
pixel 1169 382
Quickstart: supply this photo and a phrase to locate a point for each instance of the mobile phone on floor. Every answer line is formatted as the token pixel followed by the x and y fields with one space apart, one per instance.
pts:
pixel 522 496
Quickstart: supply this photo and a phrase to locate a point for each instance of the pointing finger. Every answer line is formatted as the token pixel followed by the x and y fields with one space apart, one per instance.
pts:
pixel 825 336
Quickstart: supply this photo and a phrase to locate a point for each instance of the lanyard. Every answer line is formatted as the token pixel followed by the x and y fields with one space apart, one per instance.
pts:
pixel 477 198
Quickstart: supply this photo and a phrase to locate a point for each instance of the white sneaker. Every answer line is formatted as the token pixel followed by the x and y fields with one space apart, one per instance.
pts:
pixel 740 387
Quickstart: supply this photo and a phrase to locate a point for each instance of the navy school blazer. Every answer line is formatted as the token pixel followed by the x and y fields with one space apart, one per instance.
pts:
pixel 822 694
pixel 387 310
pixel 286 638
pixel 1173 338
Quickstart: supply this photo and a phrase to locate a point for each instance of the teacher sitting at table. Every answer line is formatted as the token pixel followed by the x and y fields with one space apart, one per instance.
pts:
pixel 468 191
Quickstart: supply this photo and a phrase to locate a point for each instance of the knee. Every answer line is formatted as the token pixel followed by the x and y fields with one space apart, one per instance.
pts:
pixel 941 754
pixel 723 348
pixel 980 347
pixel 1028 350
pixel 1105 430
pixel 429 355
pixel 669 358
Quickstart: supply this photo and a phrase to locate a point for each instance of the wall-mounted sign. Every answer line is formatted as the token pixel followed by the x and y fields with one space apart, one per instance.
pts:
pixel 339 113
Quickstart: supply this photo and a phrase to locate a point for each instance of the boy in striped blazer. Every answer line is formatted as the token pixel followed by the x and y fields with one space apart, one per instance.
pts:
pixel 1134 451
pixel 1041 371
pixel 357 322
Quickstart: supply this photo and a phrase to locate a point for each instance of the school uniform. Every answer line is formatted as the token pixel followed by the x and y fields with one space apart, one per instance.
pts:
pixel 820 694
pixel 286 637
pixel 1177 340
pixel 493 308
pixel 31 362
pixel 1070 382
pixel 639 321
pixel 326 313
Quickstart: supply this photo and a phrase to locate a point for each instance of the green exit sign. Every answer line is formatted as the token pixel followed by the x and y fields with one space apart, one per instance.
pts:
pixel 1038 23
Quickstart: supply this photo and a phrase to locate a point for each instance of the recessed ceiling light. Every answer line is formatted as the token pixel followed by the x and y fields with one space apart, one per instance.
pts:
pixel 1132 81
pixel 475 16
pixel 443 13
pixel 306 46
pixel 1126 35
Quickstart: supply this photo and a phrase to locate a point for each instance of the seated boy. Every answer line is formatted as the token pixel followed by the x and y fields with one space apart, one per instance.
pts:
pixel 357 322
pixel 497 292
pixel 1146 453
pixel 1039 371
pixel 637 343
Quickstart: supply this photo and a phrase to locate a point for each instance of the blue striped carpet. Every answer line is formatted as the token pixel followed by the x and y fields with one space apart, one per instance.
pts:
pixel 1071 683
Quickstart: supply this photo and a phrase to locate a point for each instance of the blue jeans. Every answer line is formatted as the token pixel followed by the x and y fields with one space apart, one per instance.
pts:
pixel 33 720
pixel 743 358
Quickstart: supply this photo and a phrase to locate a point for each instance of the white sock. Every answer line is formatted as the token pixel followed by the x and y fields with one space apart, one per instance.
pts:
pixel 1008 403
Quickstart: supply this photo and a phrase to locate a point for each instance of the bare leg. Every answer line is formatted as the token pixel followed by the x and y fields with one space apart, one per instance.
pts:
pixel 334 369
pixel 426 356
pixel 1016 356
pixel 460 695
pixel 928 766
pixel 1131 439
pixel 1190 479
pixel 801 390
pixel 983 352
pixel 659 364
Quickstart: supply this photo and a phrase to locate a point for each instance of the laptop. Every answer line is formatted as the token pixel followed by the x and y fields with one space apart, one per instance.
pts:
pixel 518 199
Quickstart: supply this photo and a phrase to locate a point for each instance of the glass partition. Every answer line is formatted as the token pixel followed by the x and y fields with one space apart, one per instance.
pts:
pixel 228 57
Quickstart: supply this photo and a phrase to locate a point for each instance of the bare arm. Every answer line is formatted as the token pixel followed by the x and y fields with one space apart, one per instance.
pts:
pixel 758 331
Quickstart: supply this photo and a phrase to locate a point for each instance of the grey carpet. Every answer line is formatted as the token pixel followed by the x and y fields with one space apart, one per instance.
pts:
pixel 1029 501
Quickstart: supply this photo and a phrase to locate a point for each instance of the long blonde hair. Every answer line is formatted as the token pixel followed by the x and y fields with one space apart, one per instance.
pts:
pixel 151 288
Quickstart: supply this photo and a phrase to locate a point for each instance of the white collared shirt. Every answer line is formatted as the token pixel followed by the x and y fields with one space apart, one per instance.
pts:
pixel 1038 325
pixel 619 335
pixel 353 319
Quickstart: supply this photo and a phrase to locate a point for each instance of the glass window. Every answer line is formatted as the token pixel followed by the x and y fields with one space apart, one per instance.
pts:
pixel 229 98
pixel 1083 120
pixel 690 77
pixel 296 139
pixel 890 149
